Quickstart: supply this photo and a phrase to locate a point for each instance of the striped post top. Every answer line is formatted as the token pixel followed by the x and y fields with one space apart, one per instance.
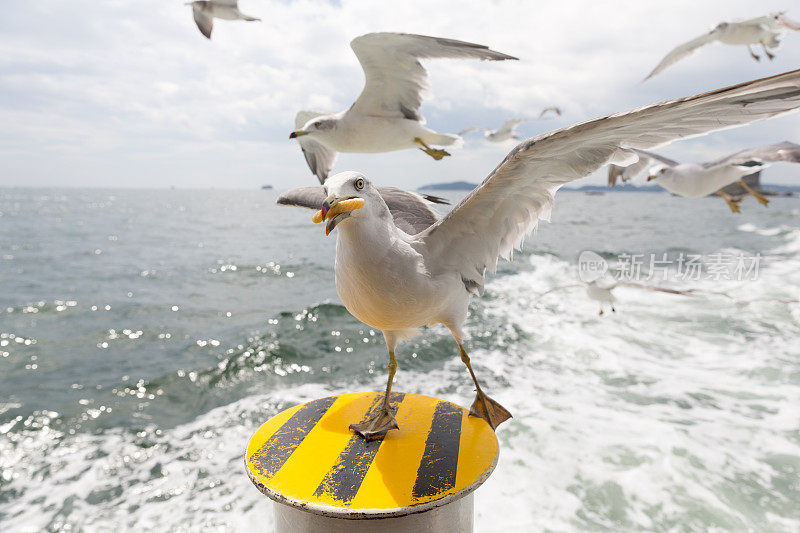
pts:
pixel 308 458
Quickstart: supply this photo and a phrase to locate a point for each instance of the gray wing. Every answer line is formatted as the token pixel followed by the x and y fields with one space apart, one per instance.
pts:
pixel 411 211
pixel 682 51
pixel 552 109
pixel 319 157
pixel 785 151
pixel 394 76
pixel 495 218
pixel 308 197
pixel 471 130
pixel 630 171
pixel 686 292
pixel 205 23
pixel 559 288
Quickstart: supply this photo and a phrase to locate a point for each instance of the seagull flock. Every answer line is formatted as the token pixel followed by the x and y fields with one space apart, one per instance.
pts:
pixel 508 131
pixel 692 180
pixel 400 266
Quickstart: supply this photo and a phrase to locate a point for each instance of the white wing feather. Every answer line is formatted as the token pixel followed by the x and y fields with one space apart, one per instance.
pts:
pixel 495 217
pixel 395 79
pixel 682 51
pixel 787 22
pixel 643 161
pixel 471 130
pixel 509 125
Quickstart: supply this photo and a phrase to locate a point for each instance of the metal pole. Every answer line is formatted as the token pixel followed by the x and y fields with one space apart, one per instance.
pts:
pixel 455 517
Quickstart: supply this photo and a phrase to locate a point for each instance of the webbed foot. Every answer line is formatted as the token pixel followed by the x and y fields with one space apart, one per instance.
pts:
pixel 377 426
pixel 435 153
pixel 488 409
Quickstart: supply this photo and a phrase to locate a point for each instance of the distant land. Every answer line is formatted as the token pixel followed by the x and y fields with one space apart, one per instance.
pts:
pixel 627 187
pixel 450 186
pixel 467 186
pixel 781 188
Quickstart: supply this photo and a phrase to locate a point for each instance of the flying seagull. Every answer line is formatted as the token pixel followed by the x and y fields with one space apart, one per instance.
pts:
pixel 398 281
pixel 205 11
pixel 766 31
pixel 508 129
pixel 693 180
pixel 386 116
pixel 602 294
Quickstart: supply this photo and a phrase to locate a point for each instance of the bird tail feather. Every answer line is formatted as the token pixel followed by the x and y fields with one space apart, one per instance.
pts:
pixel 444 139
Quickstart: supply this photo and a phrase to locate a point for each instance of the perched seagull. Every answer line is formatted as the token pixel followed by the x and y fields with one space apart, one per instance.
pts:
pixel 767 31
pixel 602 293
pixel 386 116
pixel 508 129
pixel 205 11
pixel 398 281
pixel 693 180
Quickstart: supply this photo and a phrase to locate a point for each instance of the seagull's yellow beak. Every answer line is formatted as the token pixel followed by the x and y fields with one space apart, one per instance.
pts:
pixel 297 133
pixel 335 210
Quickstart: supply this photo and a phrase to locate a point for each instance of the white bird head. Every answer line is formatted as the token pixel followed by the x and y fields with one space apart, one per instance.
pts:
pixel 318 127
pixel 350 196
pixel 722 26
pixel 781 18
pixel 658 173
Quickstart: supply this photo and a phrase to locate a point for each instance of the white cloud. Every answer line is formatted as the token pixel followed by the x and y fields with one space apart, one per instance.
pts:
pixel 121 93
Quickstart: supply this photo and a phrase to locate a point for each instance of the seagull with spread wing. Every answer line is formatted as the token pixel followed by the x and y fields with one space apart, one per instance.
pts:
pixel 694 180
pixel 205 11
pixel 386 116
pixel 398 281
pixel 508 130
pixel 767 31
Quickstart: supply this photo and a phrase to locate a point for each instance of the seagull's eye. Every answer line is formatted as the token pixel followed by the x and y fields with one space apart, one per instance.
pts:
pixel 359 184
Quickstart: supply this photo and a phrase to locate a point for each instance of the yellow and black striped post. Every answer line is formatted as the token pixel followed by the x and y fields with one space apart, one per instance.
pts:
pixel 418 478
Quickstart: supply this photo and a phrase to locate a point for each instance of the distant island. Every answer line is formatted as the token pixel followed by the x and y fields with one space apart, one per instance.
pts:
pixel 450 186
pixel 467 186
pixel 625 187
pixel 266 187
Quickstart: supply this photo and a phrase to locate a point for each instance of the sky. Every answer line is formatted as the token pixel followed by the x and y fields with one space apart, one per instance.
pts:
pixel 128 93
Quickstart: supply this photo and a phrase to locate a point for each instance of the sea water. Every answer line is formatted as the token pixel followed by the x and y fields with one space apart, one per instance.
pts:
pixel 145 335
